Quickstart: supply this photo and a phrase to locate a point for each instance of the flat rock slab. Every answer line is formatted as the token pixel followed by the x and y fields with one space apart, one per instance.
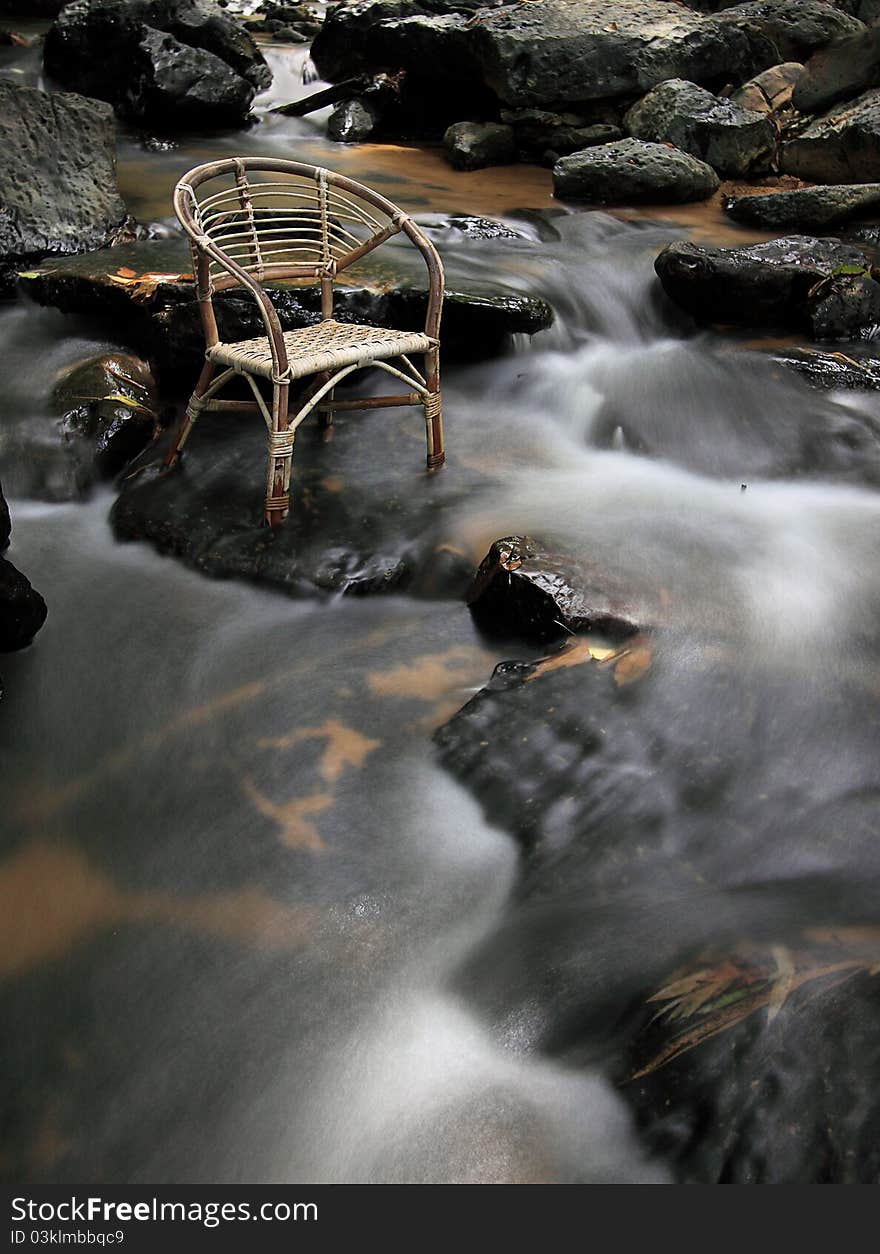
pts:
pixel 841 146
pixel 145 291
pixel 816 284
pixel 538 592
pixel 806 208
pixel 58 190
pixel 365 515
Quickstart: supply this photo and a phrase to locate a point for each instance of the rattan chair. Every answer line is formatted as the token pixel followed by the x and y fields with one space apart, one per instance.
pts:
pixel 253 219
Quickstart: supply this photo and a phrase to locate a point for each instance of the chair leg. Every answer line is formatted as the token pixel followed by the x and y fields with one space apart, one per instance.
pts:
pixel 193 409
pixel 327 414
pixel 280 458
pixel 434 412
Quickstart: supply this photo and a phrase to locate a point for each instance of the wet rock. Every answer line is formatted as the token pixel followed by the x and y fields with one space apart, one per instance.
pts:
pixel 174 86
pixel 158 316
pixel 527 589
pixel 95 45
pixel 807 208
pixel 474 145
pixel 816 284
pixel 351 122
pixel 565 51
pixel 842 146
pixel 109 412
pixel 542 136
pixel 365 518
pixel 830 372
pixel 731 139
pixel 771 90
pixel 22 609
pixel 632 171
pixel 839 72
pixel 774 1098
pixel 795 27
pixel 58 190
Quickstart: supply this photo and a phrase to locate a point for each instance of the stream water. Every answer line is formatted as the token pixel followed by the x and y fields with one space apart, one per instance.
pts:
pixel 251 930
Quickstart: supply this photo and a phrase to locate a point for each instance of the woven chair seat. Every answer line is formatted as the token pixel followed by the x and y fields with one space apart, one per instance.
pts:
pixel 327 345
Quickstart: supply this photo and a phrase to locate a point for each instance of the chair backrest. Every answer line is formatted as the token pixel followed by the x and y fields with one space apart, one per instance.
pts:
pixel 282 219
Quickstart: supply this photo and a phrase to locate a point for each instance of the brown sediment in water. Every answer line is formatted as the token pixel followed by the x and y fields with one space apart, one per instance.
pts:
pixel 431 676
pixel 345 746
pixel 295 829
pixel 52 898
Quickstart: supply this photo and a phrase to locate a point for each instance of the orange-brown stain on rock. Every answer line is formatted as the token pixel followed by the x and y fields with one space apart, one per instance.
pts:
pixel 295 829
pixel 345 746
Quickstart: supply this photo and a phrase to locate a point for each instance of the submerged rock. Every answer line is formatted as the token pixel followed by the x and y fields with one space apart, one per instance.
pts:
pixel 631 171
pixel 527 589
pixel 184 61
pixel 365 518
pixel 806 208
pixel 473 145
pixel 816 284
pixel 58 190
pixel 842 146
pixel 731 139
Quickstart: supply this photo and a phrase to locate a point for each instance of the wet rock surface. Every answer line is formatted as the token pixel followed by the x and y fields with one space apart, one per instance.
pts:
pixel 771 90
pixel 58 190
pixel 151 303
pixel 22 609
pixel 365 516
pixel 109 413
pixel 806 208
pixel 543 137
pixel 206 70
pixel 727 137
pixel 841 146
pixel 831 371
pixel 632 171
pixel 816 284
pixel 843 70
pixel 536 592
pixel 474 145
pixel 612 779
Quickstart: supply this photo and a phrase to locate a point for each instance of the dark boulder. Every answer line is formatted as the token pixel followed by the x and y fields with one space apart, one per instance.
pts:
pixel 796 28
pixel 566 51
pixel 842 146
pixel 474 145
pixel 108 411
pixel 733 140
pixel 771 90
pixel 58 190
pixel 22 609
pixel 175 86
pixel 542 136
pixel 536 592
pixel 351 122
pixel 839 72
pixel 109 49
pixel 819 285
pixel 806 208
pixel 632 171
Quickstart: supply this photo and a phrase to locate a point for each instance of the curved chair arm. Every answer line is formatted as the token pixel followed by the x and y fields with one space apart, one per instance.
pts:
pixel 205 247
pixel 436 286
